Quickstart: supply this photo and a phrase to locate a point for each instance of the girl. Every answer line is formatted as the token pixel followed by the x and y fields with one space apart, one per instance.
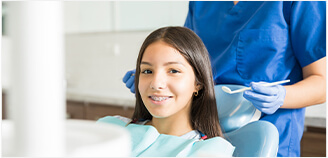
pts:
pixel 175 113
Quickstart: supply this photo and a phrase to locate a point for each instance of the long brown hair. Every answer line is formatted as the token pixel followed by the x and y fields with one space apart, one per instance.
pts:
pixel 203 113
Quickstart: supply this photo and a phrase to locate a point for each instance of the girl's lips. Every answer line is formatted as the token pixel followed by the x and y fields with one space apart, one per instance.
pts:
pixel 159 99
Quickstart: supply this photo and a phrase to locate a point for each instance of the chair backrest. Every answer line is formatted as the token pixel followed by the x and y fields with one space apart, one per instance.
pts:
pixel 251 138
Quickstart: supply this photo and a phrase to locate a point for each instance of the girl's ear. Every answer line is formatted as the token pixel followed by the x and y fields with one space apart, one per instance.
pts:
pixel 198 87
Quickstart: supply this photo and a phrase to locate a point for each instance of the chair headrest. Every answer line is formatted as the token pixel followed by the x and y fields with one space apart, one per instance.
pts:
pixel 233 109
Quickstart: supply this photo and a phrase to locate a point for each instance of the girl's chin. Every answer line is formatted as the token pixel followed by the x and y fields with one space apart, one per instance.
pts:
pixel 159 115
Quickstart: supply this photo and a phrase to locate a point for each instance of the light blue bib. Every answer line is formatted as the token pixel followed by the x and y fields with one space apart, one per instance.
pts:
pixel 147 142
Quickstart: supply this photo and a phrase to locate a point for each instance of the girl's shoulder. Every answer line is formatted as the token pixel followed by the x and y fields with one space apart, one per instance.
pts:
pixel 118 120
pixel 124 119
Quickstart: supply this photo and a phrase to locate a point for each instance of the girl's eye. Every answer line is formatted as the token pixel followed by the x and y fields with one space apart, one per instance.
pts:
pixel 146 72
pixel 174 71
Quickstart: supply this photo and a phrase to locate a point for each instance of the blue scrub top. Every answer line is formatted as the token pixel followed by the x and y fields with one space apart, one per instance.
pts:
pixel 263 41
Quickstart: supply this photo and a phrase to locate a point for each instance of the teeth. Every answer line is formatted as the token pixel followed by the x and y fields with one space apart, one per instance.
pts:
pixel 159 98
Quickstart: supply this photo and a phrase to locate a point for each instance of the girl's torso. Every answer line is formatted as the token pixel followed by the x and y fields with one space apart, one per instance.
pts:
pixel 146 141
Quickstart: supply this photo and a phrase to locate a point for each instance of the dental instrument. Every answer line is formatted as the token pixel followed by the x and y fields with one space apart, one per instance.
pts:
pixel 228 90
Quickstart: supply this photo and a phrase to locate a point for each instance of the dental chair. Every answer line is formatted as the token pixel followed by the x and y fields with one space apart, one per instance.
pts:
pixel 241 127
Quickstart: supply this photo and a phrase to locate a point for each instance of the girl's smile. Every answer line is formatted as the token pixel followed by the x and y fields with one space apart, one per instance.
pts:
pixel 160 100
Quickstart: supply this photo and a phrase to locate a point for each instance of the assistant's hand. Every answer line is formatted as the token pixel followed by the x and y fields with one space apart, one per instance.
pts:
pixel 128 79
pixel 266 99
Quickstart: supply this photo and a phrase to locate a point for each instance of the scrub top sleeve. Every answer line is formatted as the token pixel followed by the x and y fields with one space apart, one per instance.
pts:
pixel 188 22
pixel 308 31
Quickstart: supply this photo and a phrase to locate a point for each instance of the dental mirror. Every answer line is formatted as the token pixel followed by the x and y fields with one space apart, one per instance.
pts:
pixel 228 90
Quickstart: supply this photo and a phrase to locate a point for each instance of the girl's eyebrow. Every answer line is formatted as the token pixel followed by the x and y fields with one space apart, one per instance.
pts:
pixel 168 63
pixel 173 62
pixel 146 63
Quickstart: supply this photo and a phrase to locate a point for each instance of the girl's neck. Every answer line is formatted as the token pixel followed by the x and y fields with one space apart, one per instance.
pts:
pixel 176 126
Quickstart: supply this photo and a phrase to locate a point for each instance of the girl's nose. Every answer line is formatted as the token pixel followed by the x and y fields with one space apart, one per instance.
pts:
pixel 158 82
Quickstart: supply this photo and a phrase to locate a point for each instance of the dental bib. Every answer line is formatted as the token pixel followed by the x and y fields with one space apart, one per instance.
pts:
pixel 147 142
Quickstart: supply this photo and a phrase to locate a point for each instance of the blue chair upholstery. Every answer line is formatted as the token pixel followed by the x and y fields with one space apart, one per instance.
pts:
pixel 251 139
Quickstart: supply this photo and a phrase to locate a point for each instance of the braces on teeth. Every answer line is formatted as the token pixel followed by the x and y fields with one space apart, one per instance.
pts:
pixel 159 98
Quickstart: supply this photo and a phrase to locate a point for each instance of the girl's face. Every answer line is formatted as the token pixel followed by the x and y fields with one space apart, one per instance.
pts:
pixel 166 82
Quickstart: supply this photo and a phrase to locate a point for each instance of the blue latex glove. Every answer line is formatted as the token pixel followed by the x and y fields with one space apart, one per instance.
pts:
pixel 266 99
pixel 128 79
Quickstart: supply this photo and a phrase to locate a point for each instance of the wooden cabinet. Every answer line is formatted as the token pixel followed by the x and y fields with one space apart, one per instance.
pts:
pixel 313 143
pixel 94 111
pixel 75 110
pixel 4 116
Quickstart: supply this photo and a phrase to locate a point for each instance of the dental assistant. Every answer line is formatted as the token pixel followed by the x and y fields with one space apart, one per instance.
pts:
pixel 249 42
pixel 255 41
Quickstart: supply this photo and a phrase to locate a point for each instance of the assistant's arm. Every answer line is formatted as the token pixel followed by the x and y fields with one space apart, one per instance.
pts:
pixel 311 90
pixel 308 35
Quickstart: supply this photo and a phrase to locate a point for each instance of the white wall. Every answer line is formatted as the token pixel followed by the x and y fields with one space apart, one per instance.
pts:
pixel 102 42
pixel 87 16
pixel 149 15
pixel 96 64
pixel 103 39
pixel 104 16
